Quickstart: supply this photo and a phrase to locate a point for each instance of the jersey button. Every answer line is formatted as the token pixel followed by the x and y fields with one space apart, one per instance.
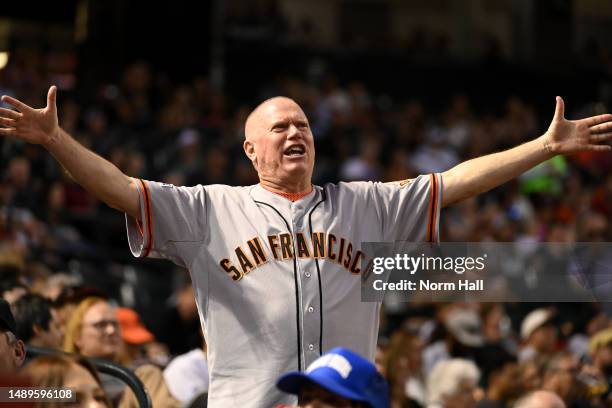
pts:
pixel 307 274
pixel 311 309
pixel 311 347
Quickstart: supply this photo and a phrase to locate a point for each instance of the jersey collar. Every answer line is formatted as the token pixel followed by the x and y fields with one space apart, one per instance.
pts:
pixel 258 193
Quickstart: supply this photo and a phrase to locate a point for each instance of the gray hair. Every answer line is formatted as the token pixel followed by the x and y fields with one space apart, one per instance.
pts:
pixel 11 338
pixel 446 378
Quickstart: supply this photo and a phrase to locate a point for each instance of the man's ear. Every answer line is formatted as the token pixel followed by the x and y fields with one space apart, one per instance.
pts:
pixel 20 353
pixel 249 149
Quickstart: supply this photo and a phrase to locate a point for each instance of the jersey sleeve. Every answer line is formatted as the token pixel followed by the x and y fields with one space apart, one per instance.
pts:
pixel 409 210
pixel 172 220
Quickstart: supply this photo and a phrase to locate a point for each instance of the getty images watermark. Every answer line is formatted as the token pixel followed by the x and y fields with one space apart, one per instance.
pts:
pixel 487 272
pixel 404 263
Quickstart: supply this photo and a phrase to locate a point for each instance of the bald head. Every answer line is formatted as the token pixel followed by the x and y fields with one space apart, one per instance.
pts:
pixel 540 399
pixel 279 143
pixel 264 111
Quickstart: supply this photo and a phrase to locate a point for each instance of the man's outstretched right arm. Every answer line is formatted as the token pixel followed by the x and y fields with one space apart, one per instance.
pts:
pixel 97 175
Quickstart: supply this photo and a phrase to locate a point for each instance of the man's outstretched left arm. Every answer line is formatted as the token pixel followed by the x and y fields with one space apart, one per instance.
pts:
pixel 563 136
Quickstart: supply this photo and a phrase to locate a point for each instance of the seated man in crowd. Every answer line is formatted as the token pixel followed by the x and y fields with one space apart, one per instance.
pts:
pixel 37 322
pixel 12 350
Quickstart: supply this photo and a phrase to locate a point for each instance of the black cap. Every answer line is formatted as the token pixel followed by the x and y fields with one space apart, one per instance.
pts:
pixel 6 317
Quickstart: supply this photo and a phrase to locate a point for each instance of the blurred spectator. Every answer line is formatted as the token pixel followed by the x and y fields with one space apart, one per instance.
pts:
pixel 181 329
pixel 22 194
pixel 499 345
pixel 539 334
pixel 599 373
pixel 531 373
pixel 435 155
pixel 540 399
pixel 600 350
pixel 187 375
pixel 75 373
pixel 463 338
pixel 365 166
pixel 504 387
pixel 593 321
pixel 69 298
pixel 11 284
pixel 55 285
pixel 561 377
pixel 60 235
pixel 339 377
pixel 12 349
pixel 93 330
pixel 453 384
pixel 545 177
pixel 37 323
pixel 139 343
pixel 602 198
pixel 403 368
pixel 153 380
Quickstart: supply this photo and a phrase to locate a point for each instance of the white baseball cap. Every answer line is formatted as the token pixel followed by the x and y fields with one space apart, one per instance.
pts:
pixel 534 320
pixel 465 326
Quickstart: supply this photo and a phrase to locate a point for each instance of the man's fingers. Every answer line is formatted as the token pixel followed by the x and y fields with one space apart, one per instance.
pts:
pixel 8 131
pixel 600 137
pixel 560 109
pixel 51 97
pixel 599 148
pixel 602 127
pixel 8 113
pixel 7 122
pixel 21 107
pixel 596 120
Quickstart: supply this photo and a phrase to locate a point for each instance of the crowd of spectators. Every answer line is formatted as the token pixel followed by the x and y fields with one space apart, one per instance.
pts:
pixel 432 354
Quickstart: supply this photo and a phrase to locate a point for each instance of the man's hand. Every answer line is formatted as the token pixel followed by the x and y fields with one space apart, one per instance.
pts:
pixel 37 126
pixel 97 175
pixel 564 136
pixel 571 136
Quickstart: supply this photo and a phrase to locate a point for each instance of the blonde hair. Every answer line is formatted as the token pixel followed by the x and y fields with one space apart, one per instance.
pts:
pixel 75 323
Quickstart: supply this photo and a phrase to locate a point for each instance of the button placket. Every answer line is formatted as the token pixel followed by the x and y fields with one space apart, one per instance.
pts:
pixel 305 267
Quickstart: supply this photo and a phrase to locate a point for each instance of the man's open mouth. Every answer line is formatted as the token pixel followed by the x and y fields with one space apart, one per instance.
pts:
pixel 295 150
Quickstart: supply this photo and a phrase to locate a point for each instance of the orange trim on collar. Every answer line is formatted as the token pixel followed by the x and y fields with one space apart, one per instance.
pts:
pixel 290 196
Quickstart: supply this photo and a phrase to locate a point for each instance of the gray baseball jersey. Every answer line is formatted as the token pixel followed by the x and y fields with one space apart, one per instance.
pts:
pixel 278 282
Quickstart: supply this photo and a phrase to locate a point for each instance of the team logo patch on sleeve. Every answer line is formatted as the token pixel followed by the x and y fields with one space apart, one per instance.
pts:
pixel 404 183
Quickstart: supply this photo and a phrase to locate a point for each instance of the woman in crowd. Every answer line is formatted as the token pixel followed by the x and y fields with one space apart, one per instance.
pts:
pixel 93 330
pixel 74 373
pixel 402 364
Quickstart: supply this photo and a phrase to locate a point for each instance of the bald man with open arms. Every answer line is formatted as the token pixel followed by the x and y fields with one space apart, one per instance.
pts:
pixel 276 266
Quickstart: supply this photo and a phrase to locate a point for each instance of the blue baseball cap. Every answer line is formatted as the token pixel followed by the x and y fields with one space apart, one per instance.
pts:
pixel 344 373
